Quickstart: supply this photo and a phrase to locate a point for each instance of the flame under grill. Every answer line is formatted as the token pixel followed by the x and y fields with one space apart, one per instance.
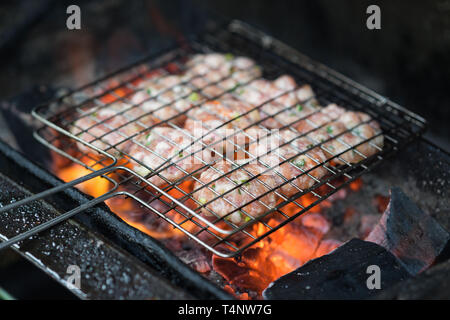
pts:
pixel 174 201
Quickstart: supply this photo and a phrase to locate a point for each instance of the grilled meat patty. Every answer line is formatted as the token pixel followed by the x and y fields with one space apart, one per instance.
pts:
pixel 232 190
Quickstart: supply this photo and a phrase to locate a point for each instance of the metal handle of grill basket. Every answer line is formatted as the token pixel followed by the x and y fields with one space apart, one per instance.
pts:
pixel 48 224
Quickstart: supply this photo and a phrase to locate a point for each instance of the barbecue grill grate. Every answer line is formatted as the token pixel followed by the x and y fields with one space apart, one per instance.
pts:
pixel 219 235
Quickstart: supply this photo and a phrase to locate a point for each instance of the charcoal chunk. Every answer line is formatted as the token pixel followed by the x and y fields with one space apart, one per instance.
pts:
pixel 342 274
pixel 414 237
pixel 433 284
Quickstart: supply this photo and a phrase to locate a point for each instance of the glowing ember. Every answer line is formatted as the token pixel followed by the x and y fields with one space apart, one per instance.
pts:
pixel 356 185
pixel 381 202
pixel 94 187
pixel 280 253
pixel 326 246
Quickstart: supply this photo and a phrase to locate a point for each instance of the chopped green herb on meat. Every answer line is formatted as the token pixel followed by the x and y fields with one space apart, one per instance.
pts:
pixel 299 163
pixel 357 131
pixel 229 56
pixel 194 97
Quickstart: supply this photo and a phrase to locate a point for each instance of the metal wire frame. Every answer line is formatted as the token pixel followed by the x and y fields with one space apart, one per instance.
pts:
pixel 398 127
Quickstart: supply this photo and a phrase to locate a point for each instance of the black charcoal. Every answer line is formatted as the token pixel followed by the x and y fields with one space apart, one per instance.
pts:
pixel 342 274
pixel 414 237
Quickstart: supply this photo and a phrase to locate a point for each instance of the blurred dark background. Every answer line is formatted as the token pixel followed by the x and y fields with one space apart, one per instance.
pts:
pixel 407 60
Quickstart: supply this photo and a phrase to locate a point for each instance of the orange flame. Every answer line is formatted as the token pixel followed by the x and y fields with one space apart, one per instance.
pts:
pixel 94 187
